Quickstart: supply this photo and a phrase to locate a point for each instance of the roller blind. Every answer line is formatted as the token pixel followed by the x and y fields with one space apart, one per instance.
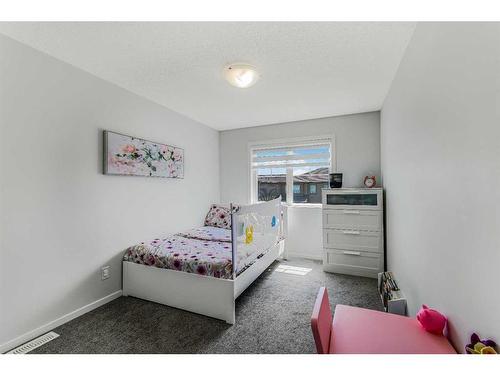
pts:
pixel 317 154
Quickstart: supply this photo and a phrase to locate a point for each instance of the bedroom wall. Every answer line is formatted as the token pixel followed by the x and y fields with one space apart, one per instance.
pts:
pixel 357 150
pixel 61 218
pixel 441 166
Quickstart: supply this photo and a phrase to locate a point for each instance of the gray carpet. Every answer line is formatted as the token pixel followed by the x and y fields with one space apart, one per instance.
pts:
pixel 272 316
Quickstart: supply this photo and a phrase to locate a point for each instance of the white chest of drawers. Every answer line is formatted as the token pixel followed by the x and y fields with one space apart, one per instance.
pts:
pixel 353 231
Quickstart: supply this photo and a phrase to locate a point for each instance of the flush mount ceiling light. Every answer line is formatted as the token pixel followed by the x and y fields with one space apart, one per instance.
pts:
pixel 241 75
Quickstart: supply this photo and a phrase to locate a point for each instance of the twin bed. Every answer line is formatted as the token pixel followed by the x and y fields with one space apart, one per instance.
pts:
pixel 205 269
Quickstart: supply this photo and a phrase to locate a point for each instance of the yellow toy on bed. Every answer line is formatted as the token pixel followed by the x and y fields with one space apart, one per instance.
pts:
pixel 249 234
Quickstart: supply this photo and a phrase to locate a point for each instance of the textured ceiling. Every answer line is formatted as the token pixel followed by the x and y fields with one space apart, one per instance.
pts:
pixel 308 70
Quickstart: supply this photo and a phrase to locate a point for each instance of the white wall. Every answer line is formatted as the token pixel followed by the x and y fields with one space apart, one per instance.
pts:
pixel 440 138
pixel 357 150
pixel 61 218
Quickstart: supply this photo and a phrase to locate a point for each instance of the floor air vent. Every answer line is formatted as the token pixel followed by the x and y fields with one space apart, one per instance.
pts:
pixel 33 344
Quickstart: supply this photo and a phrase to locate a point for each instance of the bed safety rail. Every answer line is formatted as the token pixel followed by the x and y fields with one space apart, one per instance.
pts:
pixel 255 228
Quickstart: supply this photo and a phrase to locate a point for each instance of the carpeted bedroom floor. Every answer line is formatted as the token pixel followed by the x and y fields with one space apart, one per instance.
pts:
pixel 272 316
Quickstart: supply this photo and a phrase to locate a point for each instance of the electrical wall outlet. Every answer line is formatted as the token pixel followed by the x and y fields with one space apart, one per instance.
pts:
pixel 105 272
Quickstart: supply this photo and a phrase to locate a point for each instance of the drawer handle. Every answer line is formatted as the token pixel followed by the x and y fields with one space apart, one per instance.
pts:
pixel 356 232
pixel 351 212
pixel 352 253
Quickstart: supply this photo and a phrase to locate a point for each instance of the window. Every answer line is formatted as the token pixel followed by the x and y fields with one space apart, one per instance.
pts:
pixel 295 170
pixel 271 184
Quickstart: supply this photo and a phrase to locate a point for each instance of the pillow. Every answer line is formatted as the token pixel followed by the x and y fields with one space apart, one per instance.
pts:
pixel 218 216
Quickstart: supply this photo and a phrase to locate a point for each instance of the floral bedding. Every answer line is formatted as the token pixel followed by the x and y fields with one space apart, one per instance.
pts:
pixel 208 233
pixel 205 251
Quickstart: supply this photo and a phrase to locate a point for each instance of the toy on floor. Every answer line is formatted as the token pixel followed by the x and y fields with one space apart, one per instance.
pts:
pixel 478 346
pixel 431 320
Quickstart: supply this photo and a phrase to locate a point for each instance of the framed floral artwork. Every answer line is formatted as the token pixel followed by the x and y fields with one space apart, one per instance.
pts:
pixel 126 155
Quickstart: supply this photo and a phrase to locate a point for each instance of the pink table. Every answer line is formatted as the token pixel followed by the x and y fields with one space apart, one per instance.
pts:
pixel 360 331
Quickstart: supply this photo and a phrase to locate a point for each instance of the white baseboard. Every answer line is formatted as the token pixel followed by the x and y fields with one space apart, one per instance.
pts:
pixel 57 322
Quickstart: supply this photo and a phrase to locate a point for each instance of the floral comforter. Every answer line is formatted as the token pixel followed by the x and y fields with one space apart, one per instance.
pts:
pixel 208 233
pixel 205 251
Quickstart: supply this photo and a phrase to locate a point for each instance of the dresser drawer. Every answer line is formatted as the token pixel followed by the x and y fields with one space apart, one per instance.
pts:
pixel 353 240
pixel 353 262
pixel 366 199
pixel 353 219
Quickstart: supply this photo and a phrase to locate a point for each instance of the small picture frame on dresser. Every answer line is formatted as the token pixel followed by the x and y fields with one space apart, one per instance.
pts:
pixel 335 180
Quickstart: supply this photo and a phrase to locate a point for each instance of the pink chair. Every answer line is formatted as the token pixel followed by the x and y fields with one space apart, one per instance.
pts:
pixel 321 322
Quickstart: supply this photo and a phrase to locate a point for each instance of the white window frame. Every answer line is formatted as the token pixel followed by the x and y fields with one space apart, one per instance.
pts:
pixel 288 142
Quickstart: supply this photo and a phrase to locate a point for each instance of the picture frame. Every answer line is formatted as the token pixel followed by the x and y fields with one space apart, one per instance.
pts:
pixel 126 155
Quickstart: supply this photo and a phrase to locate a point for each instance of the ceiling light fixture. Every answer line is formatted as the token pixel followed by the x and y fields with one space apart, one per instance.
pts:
pixel 241 75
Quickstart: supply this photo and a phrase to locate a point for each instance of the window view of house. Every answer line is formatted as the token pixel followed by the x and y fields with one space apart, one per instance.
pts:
pixel 272 185
pixel 306 186
pixel 309 185
pixel 305 167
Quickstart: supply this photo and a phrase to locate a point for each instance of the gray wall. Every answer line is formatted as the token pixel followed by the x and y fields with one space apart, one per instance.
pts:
pixel 440 138
pixel 357 150
pixel 61 219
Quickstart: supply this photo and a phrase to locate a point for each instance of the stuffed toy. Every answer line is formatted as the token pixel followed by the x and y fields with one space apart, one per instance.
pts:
pixel 478 346
pixel 249 235
pixel 431 320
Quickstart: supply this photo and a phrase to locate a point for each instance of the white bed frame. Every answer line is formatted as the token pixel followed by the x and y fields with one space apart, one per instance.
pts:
pixel 204 295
